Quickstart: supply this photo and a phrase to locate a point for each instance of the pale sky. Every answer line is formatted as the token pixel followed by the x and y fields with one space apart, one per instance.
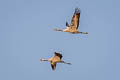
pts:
pixel 27 34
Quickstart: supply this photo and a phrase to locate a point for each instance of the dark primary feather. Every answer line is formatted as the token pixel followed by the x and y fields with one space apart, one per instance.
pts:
pixel 58 54
pixel 77 10
pixel 75 19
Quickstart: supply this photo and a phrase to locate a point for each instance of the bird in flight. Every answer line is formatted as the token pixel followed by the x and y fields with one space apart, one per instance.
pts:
pixel 55 59
pixel 73 27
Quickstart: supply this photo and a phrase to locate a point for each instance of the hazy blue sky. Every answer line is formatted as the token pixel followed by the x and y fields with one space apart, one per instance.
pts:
pixel 27 34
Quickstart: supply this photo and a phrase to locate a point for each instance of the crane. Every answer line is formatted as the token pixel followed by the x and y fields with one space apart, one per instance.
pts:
pixel 55 59
pixel 73 27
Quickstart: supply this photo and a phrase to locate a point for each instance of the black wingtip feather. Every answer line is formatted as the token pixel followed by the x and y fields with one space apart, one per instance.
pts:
pixel 77 10
pixel 53 66
pixel 67 24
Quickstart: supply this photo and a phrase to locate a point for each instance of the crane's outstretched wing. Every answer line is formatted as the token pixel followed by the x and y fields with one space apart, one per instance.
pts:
pixel 58 54
pixel 75 19
pixel 53 65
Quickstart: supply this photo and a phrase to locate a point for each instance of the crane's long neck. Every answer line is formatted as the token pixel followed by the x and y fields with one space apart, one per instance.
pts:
pixel 43 59
pixel 58 30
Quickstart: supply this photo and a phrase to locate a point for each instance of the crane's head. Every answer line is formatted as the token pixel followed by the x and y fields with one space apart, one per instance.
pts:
pixel 41 59
pixel 58 30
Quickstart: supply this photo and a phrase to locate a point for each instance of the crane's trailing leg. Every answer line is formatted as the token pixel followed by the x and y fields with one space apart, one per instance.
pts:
pixel 82 32
pixel 65 62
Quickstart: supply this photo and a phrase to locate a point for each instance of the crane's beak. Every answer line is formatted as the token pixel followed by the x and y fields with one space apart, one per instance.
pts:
pixel 58 30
